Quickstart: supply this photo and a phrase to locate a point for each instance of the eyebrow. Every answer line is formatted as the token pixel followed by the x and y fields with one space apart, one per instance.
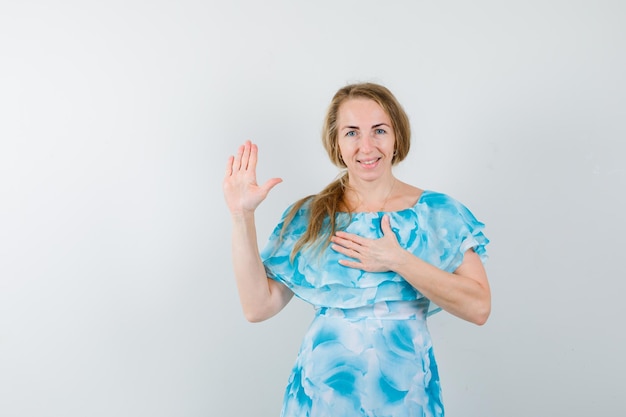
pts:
pixel 373 127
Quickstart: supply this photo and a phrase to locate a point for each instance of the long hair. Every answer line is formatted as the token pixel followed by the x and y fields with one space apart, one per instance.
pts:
pixel 330 200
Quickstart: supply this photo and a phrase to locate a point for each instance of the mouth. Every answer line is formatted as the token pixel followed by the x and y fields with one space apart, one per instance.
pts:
pixel 369 163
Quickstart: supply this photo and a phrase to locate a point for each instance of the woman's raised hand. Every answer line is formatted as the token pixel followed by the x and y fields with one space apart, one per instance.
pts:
pixel 241 190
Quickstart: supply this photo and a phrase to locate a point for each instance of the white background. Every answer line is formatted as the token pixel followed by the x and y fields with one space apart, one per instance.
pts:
pixel 116 119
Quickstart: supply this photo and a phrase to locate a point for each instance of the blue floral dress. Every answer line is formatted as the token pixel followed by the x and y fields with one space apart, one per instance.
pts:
pixel 368 351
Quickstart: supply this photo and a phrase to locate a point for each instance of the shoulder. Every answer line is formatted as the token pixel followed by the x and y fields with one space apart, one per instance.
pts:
pixel 292 225
pixel 437 200
pixel 300 208
pixel 411 196
pixel 444 206
pixel 406 197
pixel 295 217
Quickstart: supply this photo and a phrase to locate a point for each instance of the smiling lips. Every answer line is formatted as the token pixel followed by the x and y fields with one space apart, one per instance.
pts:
pixel 369 163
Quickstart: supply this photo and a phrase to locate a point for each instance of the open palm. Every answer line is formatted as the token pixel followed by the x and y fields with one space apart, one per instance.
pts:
pixel 241 191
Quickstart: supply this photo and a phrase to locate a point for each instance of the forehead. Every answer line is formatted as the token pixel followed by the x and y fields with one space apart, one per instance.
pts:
pixel 363 110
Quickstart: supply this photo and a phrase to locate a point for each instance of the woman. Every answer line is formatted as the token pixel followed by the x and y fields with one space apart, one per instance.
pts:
pixel 374 256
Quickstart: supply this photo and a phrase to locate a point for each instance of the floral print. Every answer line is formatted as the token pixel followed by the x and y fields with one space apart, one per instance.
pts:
pixel 368 351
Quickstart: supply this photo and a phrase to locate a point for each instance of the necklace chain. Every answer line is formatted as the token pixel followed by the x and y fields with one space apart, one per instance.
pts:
pixel 382 207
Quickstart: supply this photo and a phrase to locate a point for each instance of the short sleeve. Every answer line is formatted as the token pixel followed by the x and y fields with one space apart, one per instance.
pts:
pixel 276 255
pixel 438 229
pixel 467 231
pixel 452 229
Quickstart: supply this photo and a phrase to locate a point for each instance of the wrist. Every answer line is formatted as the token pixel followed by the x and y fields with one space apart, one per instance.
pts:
pixel 400 260
pixel 396 260
pixel 242 216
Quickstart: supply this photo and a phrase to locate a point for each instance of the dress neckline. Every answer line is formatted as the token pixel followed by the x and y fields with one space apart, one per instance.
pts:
pixel 365 213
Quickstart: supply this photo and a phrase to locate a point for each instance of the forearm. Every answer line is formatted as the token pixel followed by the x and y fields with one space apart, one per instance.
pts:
pixel 464 293
pixel 260 297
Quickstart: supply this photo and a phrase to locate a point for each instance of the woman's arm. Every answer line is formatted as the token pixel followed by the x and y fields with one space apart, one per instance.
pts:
pixel 260 296
pixel 464 293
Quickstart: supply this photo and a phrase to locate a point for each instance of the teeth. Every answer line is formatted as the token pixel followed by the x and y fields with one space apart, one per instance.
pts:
pixel 369 162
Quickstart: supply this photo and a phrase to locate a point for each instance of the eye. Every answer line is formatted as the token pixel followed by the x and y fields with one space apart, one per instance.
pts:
pixel 380 131
pixel 351 133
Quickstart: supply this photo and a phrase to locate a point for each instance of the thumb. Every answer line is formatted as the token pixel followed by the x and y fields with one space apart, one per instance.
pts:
pixel 385 225
pixel 271 183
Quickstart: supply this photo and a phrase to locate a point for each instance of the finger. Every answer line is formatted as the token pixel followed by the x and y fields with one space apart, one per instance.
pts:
pixel 350 253
pixel 346 243
pixel 385 224
pixel 229 166
pixel 350 264
pixel 349 237
pixel 271 183
pixel 237 159
pixel 254 152
pixel 245 157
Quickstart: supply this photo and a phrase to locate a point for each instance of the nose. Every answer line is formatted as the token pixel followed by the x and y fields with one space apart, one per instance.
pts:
pixel 367 143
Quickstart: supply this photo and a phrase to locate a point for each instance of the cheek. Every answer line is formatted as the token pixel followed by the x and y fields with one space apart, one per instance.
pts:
pixel 392 147
pixel 341 154
pixel 342 149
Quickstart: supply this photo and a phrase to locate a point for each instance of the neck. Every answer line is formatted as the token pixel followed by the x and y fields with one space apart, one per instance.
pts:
pixel 369 196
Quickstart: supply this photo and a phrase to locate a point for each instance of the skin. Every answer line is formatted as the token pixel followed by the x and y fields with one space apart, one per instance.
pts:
pixel 366 142
pixel 260 296
pixel 366 135
pixel 464 293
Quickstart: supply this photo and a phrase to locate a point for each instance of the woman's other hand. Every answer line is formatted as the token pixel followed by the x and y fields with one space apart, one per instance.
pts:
pixel 241 191
pixel 371 255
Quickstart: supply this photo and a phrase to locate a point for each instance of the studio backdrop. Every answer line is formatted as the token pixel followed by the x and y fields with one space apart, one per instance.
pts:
pixel 117 296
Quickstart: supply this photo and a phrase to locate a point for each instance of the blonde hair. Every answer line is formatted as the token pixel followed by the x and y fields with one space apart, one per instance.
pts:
pixel 329 201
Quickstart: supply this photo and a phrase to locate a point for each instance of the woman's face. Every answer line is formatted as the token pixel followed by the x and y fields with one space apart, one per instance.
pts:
pixel 366 139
